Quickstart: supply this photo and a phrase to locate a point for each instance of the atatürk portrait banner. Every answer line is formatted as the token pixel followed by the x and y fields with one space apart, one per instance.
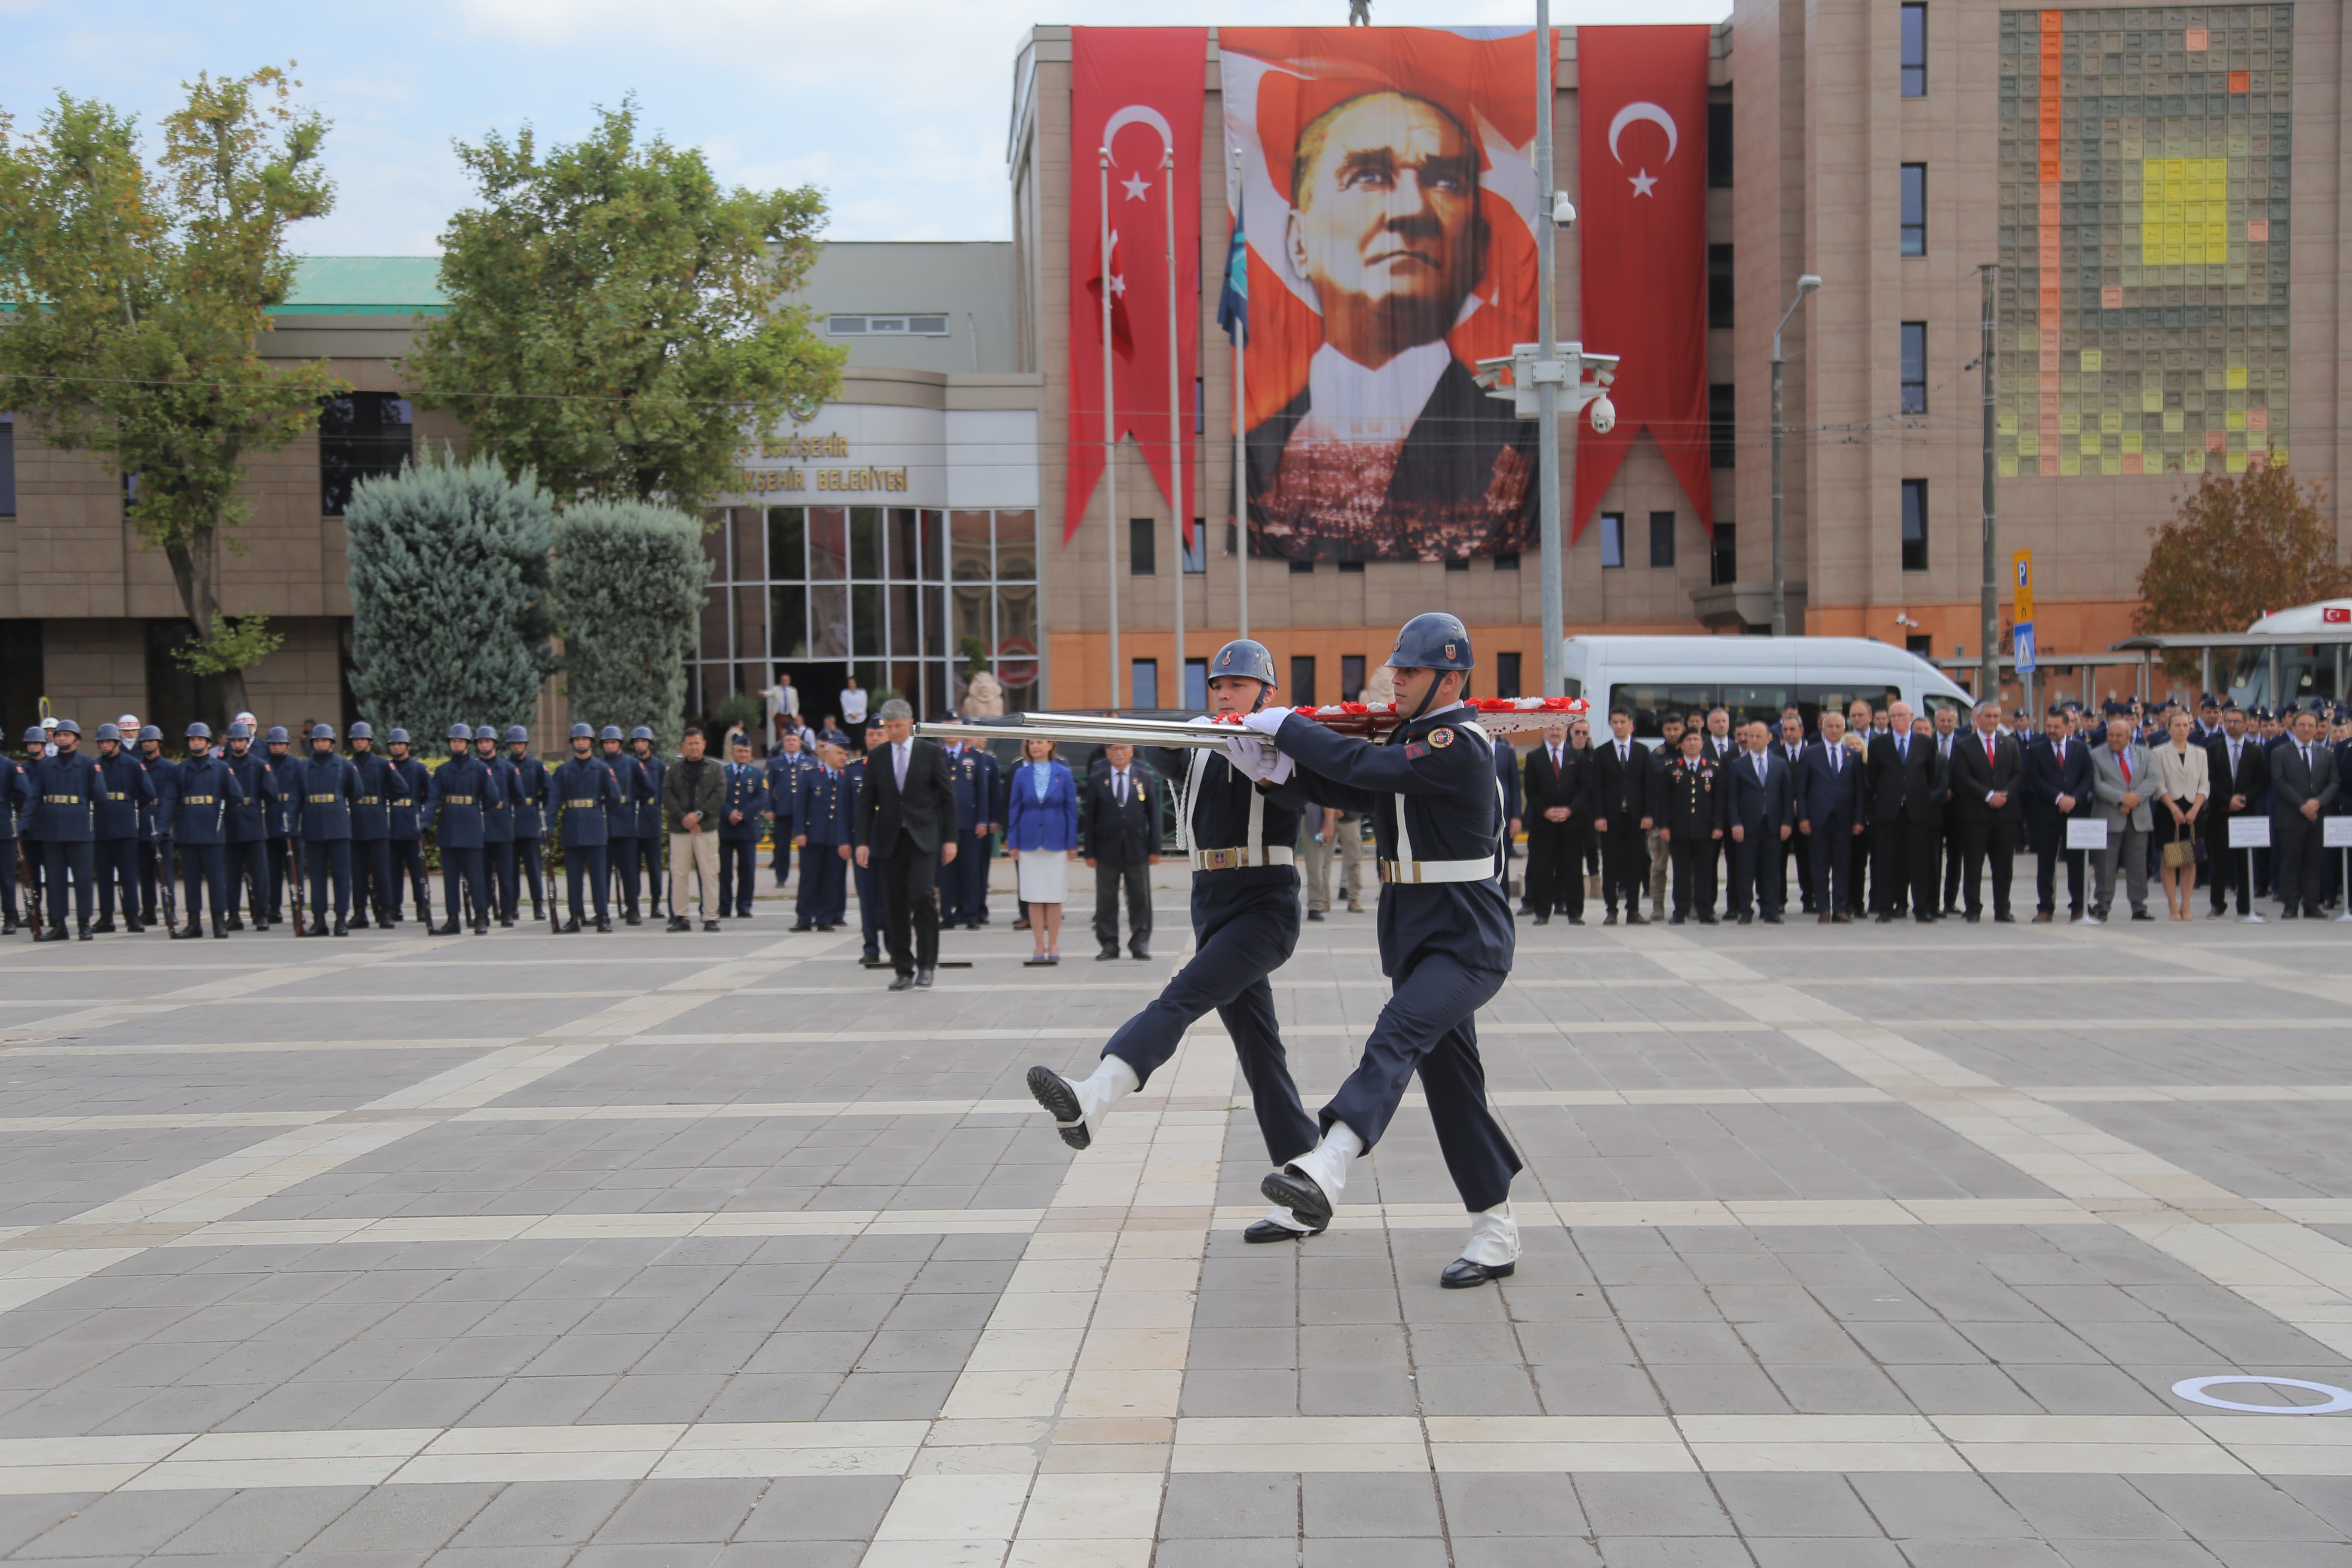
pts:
pixel 1387 199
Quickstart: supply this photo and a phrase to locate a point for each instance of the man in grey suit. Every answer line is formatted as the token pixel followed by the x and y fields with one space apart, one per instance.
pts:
pixel 2303 786
pixel 2121 775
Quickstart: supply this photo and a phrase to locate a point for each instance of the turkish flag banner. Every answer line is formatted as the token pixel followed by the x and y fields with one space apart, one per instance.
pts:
pixel 1136 91
pixel 1642 233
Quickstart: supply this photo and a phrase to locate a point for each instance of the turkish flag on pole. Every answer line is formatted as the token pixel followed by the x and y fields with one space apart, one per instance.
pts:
pixel 1642 232
pixel 1135 90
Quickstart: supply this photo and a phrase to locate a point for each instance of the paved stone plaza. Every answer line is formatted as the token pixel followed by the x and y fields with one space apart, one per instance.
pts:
pixel 1846 1248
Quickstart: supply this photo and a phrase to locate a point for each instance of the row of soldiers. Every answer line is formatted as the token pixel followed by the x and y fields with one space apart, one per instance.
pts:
pixel 241 828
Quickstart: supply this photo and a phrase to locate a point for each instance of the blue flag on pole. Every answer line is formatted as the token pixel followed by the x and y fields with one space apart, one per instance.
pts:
pixel 1232 303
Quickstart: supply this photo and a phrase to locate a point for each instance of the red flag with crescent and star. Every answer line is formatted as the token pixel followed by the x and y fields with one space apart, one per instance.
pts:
pixel 1136 91
pixel 1642 231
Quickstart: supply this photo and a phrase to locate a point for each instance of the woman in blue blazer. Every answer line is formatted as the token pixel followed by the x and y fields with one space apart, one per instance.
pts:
pixel 1041 834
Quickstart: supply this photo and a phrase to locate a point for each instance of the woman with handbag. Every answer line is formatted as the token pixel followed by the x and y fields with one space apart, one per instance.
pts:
pixel 1041 834
pixel 2183 783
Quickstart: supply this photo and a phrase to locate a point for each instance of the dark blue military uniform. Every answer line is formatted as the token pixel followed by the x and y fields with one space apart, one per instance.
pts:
pixel 738 842
pixel 198 798
pixel 963 886
pixel 586 797
pixel 248 834
pixel 154 848
pixel 650 840
pixel 1445 933
pixel 786 770
pixel 16 800
pixel 528 782
pixel 871 926
pixel 374 892
pixel 621 826
pixel 125 825
pixel 68 789
pixel 498 826
pixel 326 793
pixel 822 813
pixel 406 789
pixel 455 809
pixel 279 812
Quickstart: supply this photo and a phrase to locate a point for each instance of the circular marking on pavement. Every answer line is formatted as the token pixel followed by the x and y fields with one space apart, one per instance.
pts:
pixel 2193 1388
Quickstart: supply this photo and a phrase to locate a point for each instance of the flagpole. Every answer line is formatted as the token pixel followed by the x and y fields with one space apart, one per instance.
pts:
pixel 1110 443
pixel 1548 519
pixel 1175 431
pixel 1241 431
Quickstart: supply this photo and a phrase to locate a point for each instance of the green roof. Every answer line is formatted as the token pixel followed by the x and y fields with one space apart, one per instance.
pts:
pixel 365 286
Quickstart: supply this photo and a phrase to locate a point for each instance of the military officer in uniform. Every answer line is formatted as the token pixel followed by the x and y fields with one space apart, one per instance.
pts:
pixel 621 831
pixel 651 836
pixel 1238 835
pixel 16 804
pixel 154 848
pixel 822 814
pixel 963 882
pixel 497 824
pixel 531 785
pixel 371 886
pixel 745 802
pixel 1693 807
pixel 1446 938
pixel 867 879
pixel 406 787
pixel 285 805
pixel 455 809
pixel 123 803
pixel 248 829
pixel 785 771
pixel 587 798
pixel 197 797
pixel 70 786
pixel 326 790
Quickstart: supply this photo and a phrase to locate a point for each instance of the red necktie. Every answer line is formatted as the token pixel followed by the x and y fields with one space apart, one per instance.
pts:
pixel 2123 760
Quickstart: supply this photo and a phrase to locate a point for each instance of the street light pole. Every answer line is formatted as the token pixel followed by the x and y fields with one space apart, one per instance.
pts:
pixel 1548 541
pixel 1988 680
pixel 1805 285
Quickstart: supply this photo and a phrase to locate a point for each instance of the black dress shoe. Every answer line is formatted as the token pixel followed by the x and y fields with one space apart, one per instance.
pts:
pixel 803 926
pixel 679 922
pixel 1314 914
pixel 86 934
pixel 1543 919
pixel 902 983
pixel 1674 920
pixel 236 922
pixel 924 978
pixel 1634 918
pixel 1610 918
pixel 605 924
pixel 342 929
pixel 2144 915
pixel 1293 1189
pixel 1052 1091
pixel 1140 952
pixel 49 934
pixel 1746 917
pixel 631 921
pixel 1771 920
pixel 1463 1275
pixel 710 925
pixel 192 929
pixel 1266 1231
pixel 2004 919
pixel 105 926
pixel 1973 917
pixel 1925 920
pixel 1105 953
pixel 1706 918
pixel 572 925
pixel 1576 919
pixel 220 930
pixel 1886 918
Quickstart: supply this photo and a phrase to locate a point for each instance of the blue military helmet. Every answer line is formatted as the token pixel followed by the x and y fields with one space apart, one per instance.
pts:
pixel 484 732
pixel 35 736
pixel 1433 641
pixel 641 732
pixel 107 732
pixel 323 731
pixel 240 731
pixel 277 735
pixel 609 733
pixel 583 732
pixel 461 731
pixel 360 731
pixel 397 738
pixel 1245 657
pixel 200 731
pixel 67 727
pixel 150 732
pixel 516 732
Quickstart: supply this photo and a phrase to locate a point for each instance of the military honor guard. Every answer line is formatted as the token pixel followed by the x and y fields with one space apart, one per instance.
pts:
pixel 69 787
pixel 637 791
pixel 248 829
pixel 528 781
pixel 743 808
pixel 1238 833
pixel 371 885
pixel 154 848
pixel 277 851
pixel 16 804
pixel 650 839
pixel 587 800
pixel 822 816
pixel 125 799
pixel 497 823
pixel 456 808
pixel 405 789
pixel 195 797
pixel 1446 938
pixel 327 792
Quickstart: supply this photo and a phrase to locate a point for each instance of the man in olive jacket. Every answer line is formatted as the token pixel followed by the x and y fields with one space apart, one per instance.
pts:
pixel 693 794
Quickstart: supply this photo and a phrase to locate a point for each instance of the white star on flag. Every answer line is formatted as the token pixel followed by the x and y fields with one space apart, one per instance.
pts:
pixel 1136 186
pixel 1641 182
pixel 1117 283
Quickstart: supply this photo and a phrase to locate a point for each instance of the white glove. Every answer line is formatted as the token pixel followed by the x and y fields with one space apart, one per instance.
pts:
pixel 1266 722
pixel 1254 757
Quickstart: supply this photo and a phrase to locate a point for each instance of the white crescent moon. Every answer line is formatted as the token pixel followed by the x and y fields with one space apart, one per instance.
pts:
pixel 1632 112
pixel 1144 114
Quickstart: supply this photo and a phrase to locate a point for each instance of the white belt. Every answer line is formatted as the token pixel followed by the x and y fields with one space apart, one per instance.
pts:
pixel 1478 870
pixel 1238 859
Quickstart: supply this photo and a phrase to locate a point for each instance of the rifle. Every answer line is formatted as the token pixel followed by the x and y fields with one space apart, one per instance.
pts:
pixel 32 887
pixel 163 846
pixel 547 866
pixel 294 850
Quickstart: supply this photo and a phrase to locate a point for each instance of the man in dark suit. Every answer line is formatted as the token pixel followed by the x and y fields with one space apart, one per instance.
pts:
pixel 1949 855
pixel 1763 818
pixel 1617 802
pixel 2239 769
pixel 2303 787
pixel 2056 782
pixel 1987 772
pixel 1904 790
pixel 1119 830
pixel 906 828
pixel 1553 780
pixel 1791 749
pixel 1830 816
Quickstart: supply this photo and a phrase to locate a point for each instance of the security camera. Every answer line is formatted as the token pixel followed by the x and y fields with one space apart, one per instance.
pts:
pixel 1604 416
pixel 1563 211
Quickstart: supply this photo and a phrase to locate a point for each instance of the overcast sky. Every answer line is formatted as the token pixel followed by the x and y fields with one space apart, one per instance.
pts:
pixel 895 108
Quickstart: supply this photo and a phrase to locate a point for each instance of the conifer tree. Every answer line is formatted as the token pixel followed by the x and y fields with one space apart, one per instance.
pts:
pixel 628 584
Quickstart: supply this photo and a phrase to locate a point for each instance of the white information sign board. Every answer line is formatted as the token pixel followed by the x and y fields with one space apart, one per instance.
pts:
pixel 2250 833
pixel 2335 832
pixel 2086 833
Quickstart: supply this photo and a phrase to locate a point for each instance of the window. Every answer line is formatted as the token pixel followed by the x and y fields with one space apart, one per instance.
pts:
pixel 1507 561
pixel 1355 566
pixel 1915 367
pixel 907 326
pixel 1302 568
pixel 1461 564
pixel 1196 552
pixel 1718 146
pixel 1921 643
pixel 1143 548
pixel 1914 525
pixel 1507 675
pixel 1613 538
pixel 1196 684
pixel 361 436
pixel 1915 51
pixel 1302 680
pixel 1723 556
pixel 1722 428
pixel 1915 209
pixel 1143 683
pixel 1662 538
pixel 1718 286
pixel 7 464
pixel 1351 677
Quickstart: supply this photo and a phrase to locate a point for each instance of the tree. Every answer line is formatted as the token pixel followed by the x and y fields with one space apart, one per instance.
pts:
pixel 615 318
pixel 140 295
pixel 628 583
pixel 2239 546
pixel 450 618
